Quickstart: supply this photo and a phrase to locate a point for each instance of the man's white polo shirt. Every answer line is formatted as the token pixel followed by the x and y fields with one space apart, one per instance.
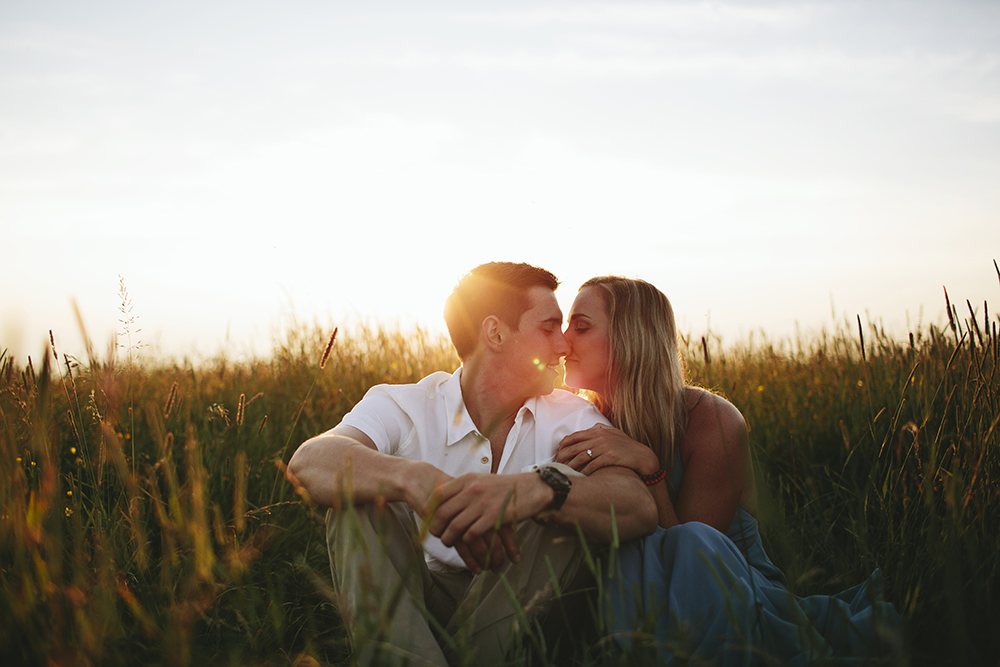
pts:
pixel 428 421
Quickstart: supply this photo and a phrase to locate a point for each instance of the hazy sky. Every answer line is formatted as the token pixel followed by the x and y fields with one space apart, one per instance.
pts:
pixel 766 164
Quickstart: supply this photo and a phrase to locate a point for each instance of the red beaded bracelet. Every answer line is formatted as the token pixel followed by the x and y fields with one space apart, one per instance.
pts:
pixel 655 478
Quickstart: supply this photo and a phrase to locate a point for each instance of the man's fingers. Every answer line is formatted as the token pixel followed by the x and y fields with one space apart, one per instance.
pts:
pixel 480 528
pixel 444 516
pixel 508 537
pixel 447 489
pixel 451 528
pixel 480 555
pixel 468 558
pixel 481 551
pixel 496 551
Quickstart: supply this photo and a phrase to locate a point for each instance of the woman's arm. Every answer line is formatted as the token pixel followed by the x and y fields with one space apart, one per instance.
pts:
pixel 715 451
pixel 605 446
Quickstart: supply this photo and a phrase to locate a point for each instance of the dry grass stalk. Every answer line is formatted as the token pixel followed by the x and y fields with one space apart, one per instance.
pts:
pixel 329 348
pixel 240 492
pixel 169 405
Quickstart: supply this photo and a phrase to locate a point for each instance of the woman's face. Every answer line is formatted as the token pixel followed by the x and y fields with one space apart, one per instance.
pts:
pixel 590 347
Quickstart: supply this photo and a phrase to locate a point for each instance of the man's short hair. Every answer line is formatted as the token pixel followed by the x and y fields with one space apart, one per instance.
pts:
pixel 496 288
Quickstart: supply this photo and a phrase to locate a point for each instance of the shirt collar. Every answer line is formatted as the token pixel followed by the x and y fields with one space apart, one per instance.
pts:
pixel 460 423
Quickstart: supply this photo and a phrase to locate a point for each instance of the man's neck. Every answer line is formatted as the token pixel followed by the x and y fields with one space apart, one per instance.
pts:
pixel 491 407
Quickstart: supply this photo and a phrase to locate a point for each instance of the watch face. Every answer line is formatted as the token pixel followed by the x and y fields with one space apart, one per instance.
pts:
pixel 560 485
pixel 555 477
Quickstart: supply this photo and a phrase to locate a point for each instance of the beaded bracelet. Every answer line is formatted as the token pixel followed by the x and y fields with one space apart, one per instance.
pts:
pixel 655 478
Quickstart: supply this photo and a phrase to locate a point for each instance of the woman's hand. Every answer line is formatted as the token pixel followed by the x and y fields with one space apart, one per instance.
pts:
pixel 600 446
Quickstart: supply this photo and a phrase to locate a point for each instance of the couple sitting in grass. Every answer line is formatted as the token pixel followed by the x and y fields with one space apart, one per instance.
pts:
pixel 431 486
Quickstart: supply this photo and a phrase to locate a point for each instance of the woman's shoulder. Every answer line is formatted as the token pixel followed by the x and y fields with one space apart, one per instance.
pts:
pixel 705 406
pixel 711 420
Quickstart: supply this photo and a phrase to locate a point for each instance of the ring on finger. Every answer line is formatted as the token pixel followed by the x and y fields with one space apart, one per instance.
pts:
pixel 590 453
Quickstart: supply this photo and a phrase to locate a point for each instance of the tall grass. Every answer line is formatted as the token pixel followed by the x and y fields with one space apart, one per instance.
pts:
pixel 144 517
pixel 875 452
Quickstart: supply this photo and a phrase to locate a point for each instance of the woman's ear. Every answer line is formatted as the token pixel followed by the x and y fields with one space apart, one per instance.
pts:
pixel 493 334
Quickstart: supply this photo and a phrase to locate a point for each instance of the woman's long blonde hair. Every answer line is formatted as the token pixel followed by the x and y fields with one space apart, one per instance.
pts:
pixel 645 395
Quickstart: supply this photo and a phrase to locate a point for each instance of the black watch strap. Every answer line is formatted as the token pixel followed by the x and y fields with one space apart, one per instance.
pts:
pixel 560 485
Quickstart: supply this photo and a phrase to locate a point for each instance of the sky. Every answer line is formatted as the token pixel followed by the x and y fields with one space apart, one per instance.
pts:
pixel 771 166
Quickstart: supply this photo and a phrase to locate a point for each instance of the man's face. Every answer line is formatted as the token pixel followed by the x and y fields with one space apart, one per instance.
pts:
pixel 534 350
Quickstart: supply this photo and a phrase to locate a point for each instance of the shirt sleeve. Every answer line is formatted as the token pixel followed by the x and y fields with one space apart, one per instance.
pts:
pixel 590 417
pixel 580 417
pixel 379 416
pixel 580 420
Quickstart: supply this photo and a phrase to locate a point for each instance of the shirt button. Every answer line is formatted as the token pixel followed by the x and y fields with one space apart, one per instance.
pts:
pixel 534 468
pixel 485 459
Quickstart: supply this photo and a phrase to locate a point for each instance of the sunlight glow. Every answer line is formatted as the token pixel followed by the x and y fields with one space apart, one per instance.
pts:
pixel 756 163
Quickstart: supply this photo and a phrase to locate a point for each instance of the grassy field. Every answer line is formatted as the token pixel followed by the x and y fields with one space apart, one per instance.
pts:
pixel 144 517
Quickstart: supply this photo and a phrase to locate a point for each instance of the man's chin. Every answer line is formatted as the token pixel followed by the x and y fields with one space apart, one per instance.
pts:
pixel 546 386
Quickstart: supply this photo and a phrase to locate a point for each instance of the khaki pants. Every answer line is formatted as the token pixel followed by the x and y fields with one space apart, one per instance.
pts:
pixel 398 611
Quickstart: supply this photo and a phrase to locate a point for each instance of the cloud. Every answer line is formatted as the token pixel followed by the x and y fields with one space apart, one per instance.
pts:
pixel 47 45
pixel 32 39
pixel 982 110
pixel 805 65
pixel 678 16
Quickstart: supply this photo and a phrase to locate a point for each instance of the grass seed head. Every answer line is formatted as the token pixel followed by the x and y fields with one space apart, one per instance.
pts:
pixel 240 407
pixel 329 347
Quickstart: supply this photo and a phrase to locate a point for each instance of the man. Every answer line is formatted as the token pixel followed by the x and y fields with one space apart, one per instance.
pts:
pixel 466 458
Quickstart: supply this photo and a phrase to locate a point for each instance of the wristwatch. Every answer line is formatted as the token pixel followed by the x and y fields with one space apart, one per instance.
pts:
pixel 560 484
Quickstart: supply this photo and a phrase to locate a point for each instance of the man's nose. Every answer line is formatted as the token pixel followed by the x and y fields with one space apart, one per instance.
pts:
pixel 562 345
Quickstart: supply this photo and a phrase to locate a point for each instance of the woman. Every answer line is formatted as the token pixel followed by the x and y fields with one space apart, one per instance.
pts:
pixel 702 582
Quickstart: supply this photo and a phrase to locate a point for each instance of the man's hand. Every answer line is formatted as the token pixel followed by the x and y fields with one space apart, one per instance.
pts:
pixel 479 512
pixel 489 551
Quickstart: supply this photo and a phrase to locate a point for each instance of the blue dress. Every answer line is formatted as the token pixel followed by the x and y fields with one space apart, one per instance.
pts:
pixel 692 592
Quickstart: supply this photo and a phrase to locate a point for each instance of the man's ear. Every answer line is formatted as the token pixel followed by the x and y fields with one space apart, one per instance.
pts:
pixel 493 334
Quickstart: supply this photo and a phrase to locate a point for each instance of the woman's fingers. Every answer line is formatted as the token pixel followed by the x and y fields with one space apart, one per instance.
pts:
pixel 581 436
pixel 577 459
pixel 580 451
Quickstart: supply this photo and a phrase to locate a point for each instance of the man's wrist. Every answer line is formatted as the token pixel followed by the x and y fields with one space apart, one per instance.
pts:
pixel 415 480
pixel 545 493
pixel 558 483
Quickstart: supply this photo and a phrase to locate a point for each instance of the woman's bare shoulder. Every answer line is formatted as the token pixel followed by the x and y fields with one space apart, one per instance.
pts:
pixel 707 408
pixel 716 436
pixel 711 413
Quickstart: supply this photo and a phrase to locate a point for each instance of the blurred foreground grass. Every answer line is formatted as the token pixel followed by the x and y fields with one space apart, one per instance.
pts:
pixel 144 518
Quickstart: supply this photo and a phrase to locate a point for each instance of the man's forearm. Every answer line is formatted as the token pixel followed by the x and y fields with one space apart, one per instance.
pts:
pixel 334 468
pixel 591 499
